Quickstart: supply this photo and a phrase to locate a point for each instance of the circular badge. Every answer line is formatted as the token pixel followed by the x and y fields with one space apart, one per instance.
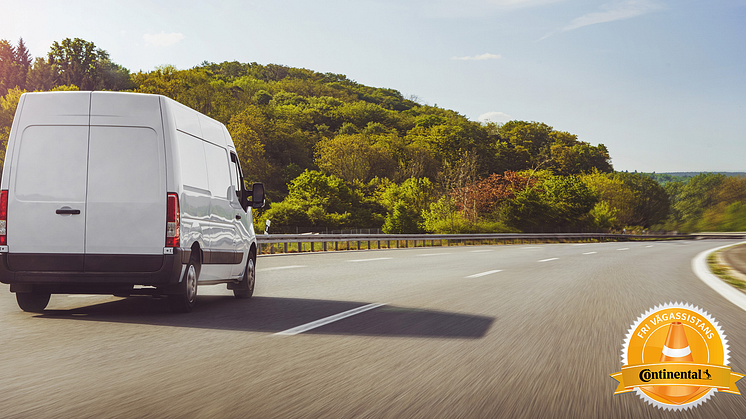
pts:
pixel 675 357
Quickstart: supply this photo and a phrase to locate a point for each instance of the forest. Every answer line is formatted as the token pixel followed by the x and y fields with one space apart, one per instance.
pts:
pixel 335 154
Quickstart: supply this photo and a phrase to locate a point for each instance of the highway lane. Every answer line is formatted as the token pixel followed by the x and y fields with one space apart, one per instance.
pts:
pixel 484 331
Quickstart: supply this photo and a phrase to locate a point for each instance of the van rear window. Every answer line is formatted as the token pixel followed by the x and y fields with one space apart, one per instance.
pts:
pixel 52 164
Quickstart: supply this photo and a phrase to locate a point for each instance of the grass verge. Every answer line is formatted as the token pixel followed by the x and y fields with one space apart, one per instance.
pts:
pixel 725 272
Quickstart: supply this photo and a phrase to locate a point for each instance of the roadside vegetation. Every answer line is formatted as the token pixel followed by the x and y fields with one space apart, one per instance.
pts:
pixel 725 272
pixel 335 154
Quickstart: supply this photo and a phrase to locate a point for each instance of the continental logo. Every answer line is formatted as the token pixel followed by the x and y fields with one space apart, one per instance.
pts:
pixel 675 357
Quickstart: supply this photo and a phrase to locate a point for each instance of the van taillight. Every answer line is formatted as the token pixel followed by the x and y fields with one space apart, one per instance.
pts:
pixel 3 218
pixel 172 220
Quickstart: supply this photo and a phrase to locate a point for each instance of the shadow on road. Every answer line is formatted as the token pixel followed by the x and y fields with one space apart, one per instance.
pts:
pixel 271 315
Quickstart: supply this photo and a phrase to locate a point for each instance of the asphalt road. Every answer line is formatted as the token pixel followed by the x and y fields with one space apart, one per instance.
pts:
pixel 465 332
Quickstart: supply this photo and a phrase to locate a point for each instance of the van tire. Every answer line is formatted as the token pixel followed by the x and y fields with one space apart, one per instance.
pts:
pixel 184 301
pixel 245 288
pixel 32 302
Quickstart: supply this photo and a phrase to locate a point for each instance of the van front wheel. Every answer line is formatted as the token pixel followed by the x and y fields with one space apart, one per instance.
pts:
pixel 245 288
pixel 184 301
pixel 32 302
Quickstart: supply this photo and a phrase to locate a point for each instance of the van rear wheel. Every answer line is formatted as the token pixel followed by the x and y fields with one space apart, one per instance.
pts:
pixel 245 288
pixel 184 301
pixel 32 302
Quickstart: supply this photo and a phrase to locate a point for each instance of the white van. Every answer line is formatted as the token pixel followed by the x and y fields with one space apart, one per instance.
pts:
pixel 123 194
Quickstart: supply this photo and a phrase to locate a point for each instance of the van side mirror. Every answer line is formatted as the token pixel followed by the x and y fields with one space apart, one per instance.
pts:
pixel 257 195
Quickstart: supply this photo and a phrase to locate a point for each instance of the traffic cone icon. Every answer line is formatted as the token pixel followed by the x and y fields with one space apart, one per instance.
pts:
pixel 676 349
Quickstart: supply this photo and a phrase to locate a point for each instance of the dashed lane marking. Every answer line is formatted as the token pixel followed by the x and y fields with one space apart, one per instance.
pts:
pixel 548 260
pixel 481 251
pixel 589 253
pixel 326 320
pixel 484 273
pixel 277 268
pixel 623 248
pixel 368 260
pixel 434 254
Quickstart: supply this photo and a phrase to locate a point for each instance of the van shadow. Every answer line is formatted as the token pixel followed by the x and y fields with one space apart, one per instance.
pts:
pixel 273 314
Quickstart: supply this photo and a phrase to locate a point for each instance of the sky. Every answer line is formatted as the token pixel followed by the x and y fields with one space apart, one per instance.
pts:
pixel 661 83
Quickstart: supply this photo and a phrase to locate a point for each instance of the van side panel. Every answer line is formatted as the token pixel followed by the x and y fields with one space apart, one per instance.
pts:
pixel 186 119
pixel 212 130
pixel 222 231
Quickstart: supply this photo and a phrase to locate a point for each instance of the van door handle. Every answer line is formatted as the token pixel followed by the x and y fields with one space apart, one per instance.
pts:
pixel 238 217
pixel 68 211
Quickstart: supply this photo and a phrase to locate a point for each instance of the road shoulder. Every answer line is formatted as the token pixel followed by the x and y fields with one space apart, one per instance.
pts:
pixel 702 270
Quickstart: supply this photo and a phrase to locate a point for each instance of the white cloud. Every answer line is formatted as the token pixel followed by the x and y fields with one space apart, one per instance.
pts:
pixel 614 11
pixel 486 56
pixel 163 39
pixel 496 117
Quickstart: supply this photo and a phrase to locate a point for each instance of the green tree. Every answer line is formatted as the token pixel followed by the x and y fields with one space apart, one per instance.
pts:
pixel 353 158
pixel 78 62
pixel 557 202
pixel 42 76
pixel 12 68
pixel 402 220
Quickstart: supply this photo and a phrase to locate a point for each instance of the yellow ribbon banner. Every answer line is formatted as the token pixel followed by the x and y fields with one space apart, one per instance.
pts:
pixel 677 374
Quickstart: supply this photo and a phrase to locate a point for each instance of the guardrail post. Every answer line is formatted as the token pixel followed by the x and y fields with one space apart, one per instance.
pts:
pixel 325 246
pixel 336 246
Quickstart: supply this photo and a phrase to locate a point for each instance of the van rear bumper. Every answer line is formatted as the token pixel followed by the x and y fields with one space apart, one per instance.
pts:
pixel 50 273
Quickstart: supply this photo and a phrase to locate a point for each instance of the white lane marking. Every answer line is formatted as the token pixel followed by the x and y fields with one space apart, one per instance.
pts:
pixel 623 248
pixel 589 253
pixel 548 260
pixel 580 244
pixel 367 260
pixel 649 246
pixel 481 251
pixel 277 268
pixel 433 254
pixel 531 247
pixel 484 273
pixel 326 320
pixel 700 268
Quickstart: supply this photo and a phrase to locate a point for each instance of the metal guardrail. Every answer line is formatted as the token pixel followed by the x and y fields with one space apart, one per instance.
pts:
pixel 292 243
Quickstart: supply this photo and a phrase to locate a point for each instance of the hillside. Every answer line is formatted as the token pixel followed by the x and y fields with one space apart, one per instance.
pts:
pixel 334 153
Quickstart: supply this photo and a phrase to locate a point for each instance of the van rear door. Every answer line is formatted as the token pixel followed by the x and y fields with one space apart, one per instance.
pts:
pixel 126 196
pixel 47 190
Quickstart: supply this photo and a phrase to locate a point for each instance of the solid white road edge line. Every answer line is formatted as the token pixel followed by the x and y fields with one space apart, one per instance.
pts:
pixel 280 267
pixel 548 260
pixel 433 254
pixel 326 320
pixel 699 266
pixel 484 273
pixel 367 260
